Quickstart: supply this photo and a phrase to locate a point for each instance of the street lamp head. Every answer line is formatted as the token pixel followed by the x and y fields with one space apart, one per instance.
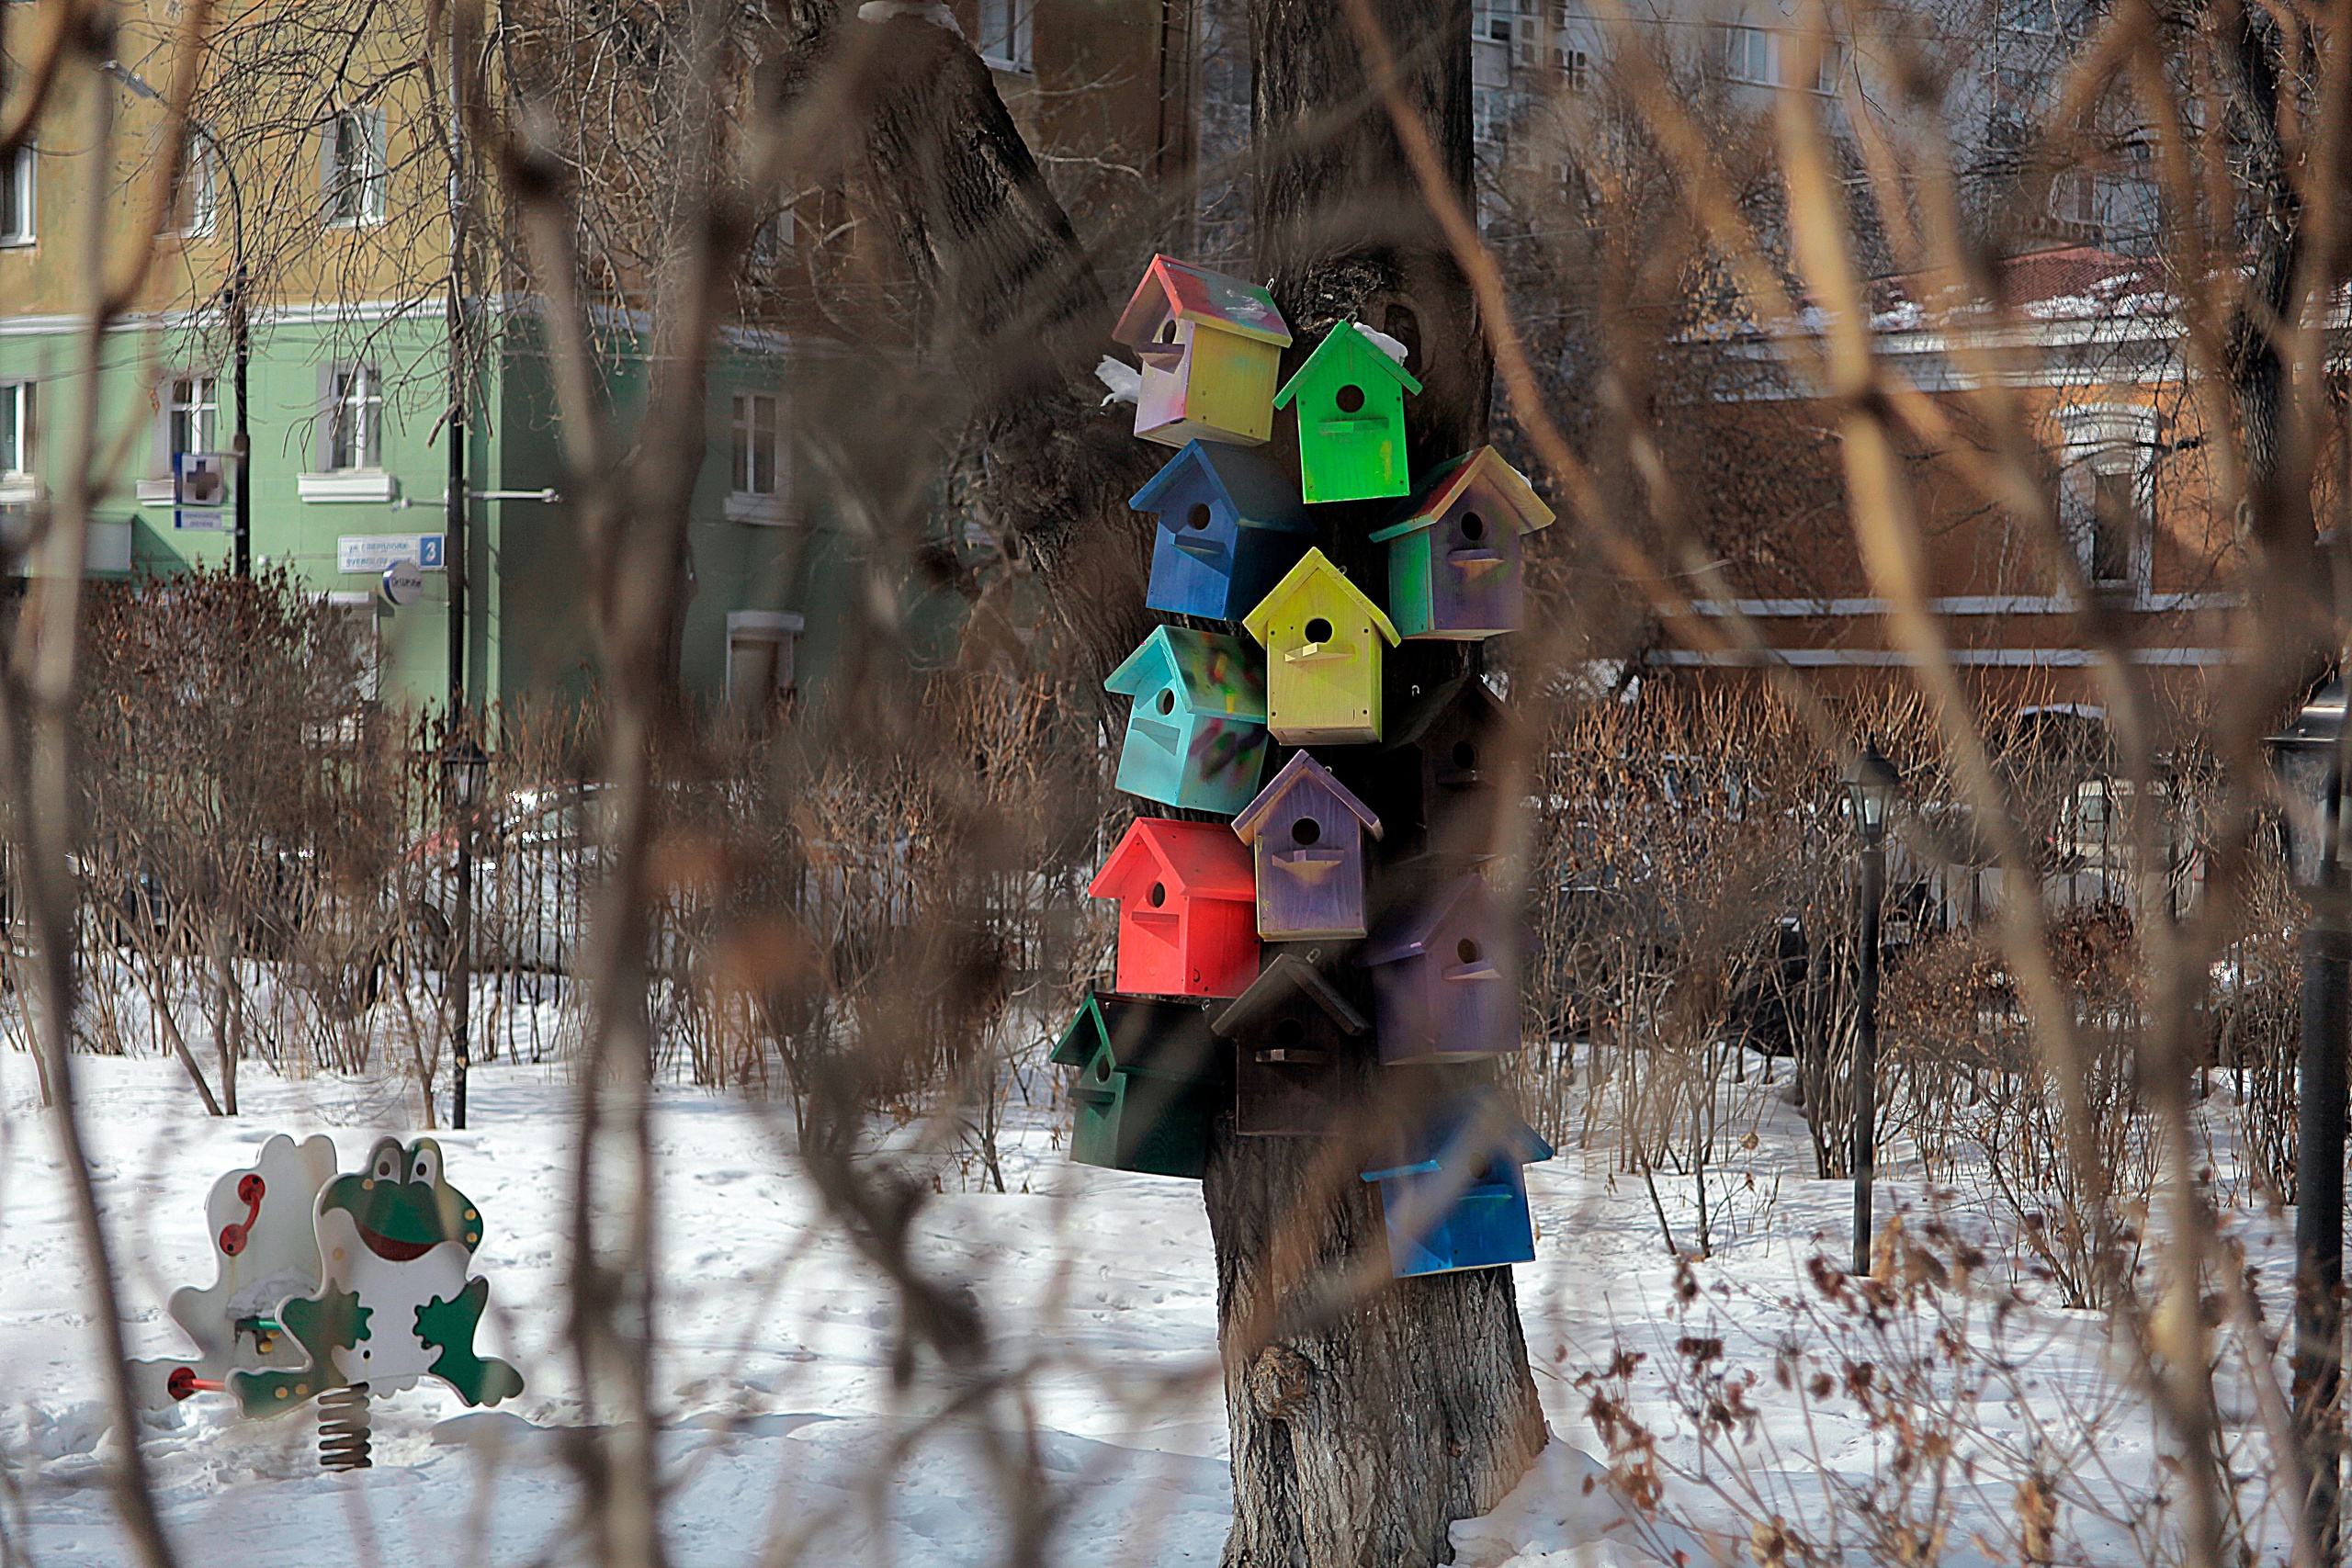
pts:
pixel 465 771
pixel 2303 761
pixel 1873 786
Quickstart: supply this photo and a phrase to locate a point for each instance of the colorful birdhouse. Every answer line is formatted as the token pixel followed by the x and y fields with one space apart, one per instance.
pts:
pixel 1323 641
pixel 1211 346
pixel 1292 1031
pixel 1230 527
pixel 1150 1080
pixel 1457 1196
pixel 1196 730
pixel 1454 558
pixel 1437 782
pixel 1445 975
pixel 1306 831
pixel 1350 404
pixel 1188 924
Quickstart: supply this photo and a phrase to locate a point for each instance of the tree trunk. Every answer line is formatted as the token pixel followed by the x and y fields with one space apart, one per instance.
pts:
pixel 1362 1427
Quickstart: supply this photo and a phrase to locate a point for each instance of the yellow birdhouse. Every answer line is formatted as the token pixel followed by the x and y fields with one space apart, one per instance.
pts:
pixel 1323 652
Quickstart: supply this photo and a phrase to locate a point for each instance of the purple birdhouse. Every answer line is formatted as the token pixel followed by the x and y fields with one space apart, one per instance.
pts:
pixel 1445 976
pixel 1453 557
pixel 1306 831
pixel 1292 1030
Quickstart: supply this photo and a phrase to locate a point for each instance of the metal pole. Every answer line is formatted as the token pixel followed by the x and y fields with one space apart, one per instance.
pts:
pixel 1866 1055
pixel 453 564
pixel 2318 1199
pixel 244 445
pixel 461 967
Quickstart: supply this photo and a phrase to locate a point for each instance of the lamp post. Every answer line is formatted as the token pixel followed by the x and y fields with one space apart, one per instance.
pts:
pixel 465 775
pixel 1871 789
pixel 240 323
pixel 2309 761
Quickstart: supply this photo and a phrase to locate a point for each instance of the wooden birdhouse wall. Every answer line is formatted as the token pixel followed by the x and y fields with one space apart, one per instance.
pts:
pixel 1286 1075
pixel 1459 578
pixel 1456 1000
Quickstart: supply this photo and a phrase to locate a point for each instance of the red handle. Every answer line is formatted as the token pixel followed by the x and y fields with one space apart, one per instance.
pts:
pixel 249 1191
pixel 184 1381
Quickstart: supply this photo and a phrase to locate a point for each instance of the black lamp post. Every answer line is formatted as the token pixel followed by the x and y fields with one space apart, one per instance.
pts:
pixel 1871 790
pixel 2309 761
pixel 465 776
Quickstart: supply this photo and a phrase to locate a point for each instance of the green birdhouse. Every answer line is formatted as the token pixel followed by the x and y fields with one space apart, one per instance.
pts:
pixel 1350 402
pixel 1150 1079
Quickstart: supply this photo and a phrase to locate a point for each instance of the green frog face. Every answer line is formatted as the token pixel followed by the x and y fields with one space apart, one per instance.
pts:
pixel 401 1206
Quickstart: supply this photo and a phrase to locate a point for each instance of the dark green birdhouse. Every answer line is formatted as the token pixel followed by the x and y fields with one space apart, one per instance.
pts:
pixel 1350 402
pixel 1150 1078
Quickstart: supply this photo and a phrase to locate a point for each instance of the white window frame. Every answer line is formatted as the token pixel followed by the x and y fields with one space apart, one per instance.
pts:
pixel 1829 71
pixel 195 396
pixel 1744 43
pixel 1008 34
pixel 20 201
pixel 19 430
pixel 199 189
pixel 355 420
pixel 1575 65
pixel 749 438
pixel 349 199
pixel 775 634
pixel 2101 443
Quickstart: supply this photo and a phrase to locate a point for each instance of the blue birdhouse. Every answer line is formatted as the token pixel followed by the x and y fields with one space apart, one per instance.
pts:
pixel 1196 733
pixel 1456 1198
pixel 1230 527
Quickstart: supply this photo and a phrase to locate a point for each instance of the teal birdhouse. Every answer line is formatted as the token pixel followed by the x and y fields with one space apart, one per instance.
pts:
pixel 1454 558
pixel 1197 732
pixel 1350 402
pixel 1150 1079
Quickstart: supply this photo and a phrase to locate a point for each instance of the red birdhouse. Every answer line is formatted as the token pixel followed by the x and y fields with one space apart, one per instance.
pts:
pixel 1188 910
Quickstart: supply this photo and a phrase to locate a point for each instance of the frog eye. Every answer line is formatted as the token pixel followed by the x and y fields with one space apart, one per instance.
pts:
pixel 426 1165
pixel 387 1167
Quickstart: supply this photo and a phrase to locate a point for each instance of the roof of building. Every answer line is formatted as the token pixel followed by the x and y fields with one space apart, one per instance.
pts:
pixel 1301 768
pixel 1312 565
pixel 1345 342
pixel 1287 974
pixel 1259 493
pixel 1195 294
pixel 1203 859
pixel 1442 486
pixel 1216 672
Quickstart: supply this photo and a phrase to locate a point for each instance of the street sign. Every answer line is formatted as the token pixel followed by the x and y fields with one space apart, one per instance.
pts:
pixel 403 583
pixel 200 489
pixel 374 552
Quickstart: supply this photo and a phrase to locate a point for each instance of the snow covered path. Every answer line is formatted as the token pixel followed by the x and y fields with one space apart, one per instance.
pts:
pixel 779 1345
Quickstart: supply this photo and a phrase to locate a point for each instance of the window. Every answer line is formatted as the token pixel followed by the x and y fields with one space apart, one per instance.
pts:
pixel 2103 490
pixel 760 478
pixel 1575 69
pixel 16 428
pixel 773 241
pixel 356 418
pixel 1829 71
pixel 1751 54
pixel 351 167
pixel 192 414
pixel 195 196
pixel 1489 114
pixel 760 645
pixel 2029 16
pixel 1491 23
pixel 1005 29
pixel 17 198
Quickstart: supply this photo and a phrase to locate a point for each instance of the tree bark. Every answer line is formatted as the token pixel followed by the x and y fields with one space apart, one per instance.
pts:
pixel 1363 1420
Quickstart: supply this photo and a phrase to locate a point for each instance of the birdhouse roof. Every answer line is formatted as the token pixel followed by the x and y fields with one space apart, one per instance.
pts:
pixel 1199 860
pixel 1195 294
pixel 1315 573
pixel 1343 355
pixel 1406 933
pixel 1287 975
pixel 1465 1135
pixel 1215 673
pixel 1149 1035
pixel 1301 769
pixel 1261 497
pixel 1415 719
pixel 1486 470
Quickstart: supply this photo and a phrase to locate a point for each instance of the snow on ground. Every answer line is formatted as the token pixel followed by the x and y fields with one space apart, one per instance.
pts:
pixel 778 1369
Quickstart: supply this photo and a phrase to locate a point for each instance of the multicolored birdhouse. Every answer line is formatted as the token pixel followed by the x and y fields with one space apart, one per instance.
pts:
pixel 1323 641
pixel 1188 924
pixel 1292 1031
pixel 1457 1196
pixel 1306 831
pixel 1350 404
pixel 1150 1079
pixel 1437 784
pixel 1454 558
pixel 1196 730
pixel 1210 347
pixel 1445 975
pixel 1230 525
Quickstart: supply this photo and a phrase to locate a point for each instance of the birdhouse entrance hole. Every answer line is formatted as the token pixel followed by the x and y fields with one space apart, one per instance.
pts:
pixel 1319 630
pixel 1306 831
pixel 1466 950
pixel 1350 397
pixel 1289 1032
pixel 1473 527
pixel 1158 894
pixel 1466 756
pixel 1167 704
pixel 1167 330
pixel 1102 1067
pixel 1199 517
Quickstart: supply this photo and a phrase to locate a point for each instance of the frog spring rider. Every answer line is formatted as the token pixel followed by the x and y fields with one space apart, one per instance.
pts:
pixel 389 1300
